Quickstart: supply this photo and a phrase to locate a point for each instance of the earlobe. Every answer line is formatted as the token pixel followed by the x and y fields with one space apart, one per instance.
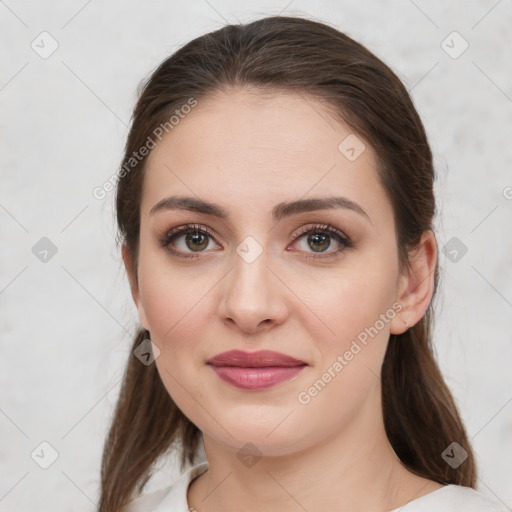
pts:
pixel 415 290
pixel 134 287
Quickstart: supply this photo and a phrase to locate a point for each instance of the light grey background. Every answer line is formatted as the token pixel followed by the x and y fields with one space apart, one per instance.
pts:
pixel 66 323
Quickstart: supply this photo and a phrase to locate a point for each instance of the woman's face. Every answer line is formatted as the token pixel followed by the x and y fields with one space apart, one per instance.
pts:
pixel 255 279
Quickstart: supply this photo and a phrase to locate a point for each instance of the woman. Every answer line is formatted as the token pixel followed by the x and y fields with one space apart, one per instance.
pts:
pixel 275 205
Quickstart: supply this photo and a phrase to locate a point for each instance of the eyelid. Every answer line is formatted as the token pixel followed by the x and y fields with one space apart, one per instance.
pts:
pixel 319 227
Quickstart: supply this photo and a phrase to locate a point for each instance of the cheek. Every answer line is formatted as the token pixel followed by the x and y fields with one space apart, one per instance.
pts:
pixel 178 320
pixel 350 303
pixel 359 311
pixel 172 297
pixel 361 323
pixel 178 309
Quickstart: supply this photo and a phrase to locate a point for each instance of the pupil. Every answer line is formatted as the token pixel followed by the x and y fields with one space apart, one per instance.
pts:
pixel 318 238
pixel 195 239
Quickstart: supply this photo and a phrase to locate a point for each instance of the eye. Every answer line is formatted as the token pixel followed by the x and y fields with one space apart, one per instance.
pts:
pixel 319 239
pixel 185 240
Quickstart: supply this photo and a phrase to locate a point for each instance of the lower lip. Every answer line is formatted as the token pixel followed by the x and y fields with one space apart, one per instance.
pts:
pixel 256 378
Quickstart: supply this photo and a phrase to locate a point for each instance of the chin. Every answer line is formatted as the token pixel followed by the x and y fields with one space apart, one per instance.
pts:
pixel 264 439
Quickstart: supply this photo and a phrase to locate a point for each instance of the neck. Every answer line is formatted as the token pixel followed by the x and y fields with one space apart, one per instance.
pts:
pixel 353 470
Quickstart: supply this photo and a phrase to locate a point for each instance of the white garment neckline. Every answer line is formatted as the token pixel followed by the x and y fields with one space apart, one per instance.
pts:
pixel 445 499
pixel 196 471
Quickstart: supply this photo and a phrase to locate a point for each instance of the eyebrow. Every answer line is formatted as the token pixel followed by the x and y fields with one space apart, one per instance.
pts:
pixel 280 211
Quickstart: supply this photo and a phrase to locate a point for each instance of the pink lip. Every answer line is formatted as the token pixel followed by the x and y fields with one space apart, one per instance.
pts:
pixel 255 370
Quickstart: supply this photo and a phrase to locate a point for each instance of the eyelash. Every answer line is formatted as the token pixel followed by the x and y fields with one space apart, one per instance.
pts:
pixel 344 241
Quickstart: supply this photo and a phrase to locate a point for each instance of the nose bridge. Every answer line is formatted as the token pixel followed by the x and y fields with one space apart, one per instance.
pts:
pixel 251 294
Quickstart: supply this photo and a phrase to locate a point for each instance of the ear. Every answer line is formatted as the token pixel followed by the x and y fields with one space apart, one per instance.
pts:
pixel 134 286
pixel 416 287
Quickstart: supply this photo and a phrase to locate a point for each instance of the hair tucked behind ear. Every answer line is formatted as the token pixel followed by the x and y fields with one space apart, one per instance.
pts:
pixel 312 59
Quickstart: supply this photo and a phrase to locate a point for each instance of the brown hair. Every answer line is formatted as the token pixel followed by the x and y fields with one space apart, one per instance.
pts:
pixel 309 58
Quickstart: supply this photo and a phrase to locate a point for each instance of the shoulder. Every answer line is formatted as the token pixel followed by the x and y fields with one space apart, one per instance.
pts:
pixel 172 498
pixel 147 502
pixel 453 498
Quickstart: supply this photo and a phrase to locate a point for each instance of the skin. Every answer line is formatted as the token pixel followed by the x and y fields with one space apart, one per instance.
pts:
pixel 248 152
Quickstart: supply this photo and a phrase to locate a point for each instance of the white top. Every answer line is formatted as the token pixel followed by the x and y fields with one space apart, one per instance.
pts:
pixel 450 498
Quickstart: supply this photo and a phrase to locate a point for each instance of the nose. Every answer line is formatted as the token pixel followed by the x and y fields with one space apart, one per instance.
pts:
pixel 253 297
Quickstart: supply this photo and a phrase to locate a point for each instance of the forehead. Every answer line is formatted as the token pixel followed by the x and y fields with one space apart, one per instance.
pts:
pixel 261 149
pixel 244 123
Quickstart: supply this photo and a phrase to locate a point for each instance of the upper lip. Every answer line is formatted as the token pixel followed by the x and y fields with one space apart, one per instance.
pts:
pixel 262 358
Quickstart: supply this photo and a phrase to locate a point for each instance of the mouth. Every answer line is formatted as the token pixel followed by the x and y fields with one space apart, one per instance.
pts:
pixel 255 370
